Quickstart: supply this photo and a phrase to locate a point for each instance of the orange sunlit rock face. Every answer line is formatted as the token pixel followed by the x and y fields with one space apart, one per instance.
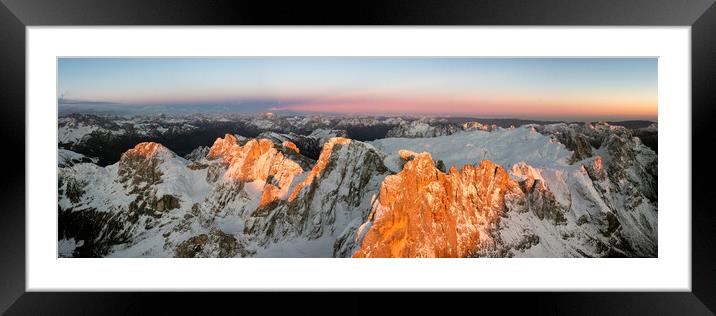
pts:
pixel 258 160
pixel 320 164
pixel 290 145
pixel 139 164
pixel 270 194
pixel 146 149
pixel 222 147
pixel 423 212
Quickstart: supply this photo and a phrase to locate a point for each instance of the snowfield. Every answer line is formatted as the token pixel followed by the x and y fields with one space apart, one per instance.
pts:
pixel 505 147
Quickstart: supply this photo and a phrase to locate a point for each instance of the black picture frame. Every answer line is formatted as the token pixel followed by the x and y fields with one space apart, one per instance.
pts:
pixel 15 15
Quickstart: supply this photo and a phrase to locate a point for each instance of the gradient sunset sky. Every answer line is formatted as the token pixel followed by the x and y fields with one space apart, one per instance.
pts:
pixel 533 88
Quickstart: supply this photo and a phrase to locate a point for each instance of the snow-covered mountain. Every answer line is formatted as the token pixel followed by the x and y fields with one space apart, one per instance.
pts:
pixel 80 128
pixel 558 190
pixel 419 129
pixel 108 137
pixel 249 198
pixel 74 129
pixel 603 204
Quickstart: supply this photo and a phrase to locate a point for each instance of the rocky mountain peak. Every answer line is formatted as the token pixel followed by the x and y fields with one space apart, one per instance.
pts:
pixel 197 154
pixel 222 146
pixel 407 155
pixel 581 147
pixel 141 163
pixel 258 160
pixel 320 164
pixel 147 150
pixel 423 212
pixel 335 194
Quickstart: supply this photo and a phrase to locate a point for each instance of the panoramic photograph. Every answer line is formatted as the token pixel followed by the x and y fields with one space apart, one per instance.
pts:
pixel 357 157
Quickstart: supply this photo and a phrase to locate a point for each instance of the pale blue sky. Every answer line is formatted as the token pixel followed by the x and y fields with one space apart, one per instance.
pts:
pixel 432 85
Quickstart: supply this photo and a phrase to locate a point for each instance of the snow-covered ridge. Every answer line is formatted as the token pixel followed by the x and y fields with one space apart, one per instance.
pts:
pixel 420 129
pixel 79 128
pixel 156 202
pixel 505 147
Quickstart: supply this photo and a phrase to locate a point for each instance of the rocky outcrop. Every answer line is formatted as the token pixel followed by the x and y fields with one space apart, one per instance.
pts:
pixel 216 244
pixel 595 169
pixel 632 164
pixel 150 205
pixel 536 196
pixel 320 165
pixel 197 154
pixel 581 147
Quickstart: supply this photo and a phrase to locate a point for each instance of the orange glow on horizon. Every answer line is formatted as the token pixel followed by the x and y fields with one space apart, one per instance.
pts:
pixel 515 106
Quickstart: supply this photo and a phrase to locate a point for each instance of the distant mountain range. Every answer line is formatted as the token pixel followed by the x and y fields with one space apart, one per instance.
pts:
pixel 106 137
